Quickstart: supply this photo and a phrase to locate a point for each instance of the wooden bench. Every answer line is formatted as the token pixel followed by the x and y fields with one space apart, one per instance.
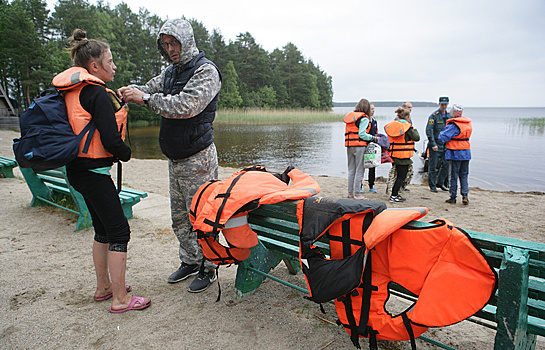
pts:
pixel 517 311
pixel 6 166
pixel 52 187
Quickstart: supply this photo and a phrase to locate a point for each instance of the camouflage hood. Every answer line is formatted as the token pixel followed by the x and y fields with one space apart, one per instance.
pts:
pixel 183 32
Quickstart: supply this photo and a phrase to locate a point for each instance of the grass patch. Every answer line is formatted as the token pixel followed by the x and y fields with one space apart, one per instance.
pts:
pixel 535 125
pixel 533 121
pixel 255 116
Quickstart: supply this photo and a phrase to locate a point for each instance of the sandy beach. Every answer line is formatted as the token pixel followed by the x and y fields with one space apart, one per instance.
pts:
pixel 47 278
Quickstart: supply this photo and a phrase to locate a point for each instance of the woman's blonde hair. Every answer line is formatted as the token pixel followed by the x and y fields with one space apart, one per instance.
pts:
pixel 402 113
pixel 83 50
pixel 363 106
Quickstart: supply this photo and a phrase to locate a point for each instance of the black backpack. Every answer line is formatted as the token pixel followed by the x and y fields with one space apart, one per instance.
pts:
pixel 47 139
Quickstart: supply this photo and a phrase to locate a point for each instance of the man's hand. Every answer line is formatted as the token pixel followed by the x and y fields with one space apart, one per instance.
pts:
pixel 435 148
pixel 131 95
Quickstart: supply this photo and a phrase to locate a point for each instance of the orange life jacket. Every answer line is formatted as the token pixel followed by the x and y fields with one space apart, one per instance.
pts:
pixel 399 148
pixel 376 249
pixel 222 206
pixel 351 133
pixel 71 82
pixel 461 141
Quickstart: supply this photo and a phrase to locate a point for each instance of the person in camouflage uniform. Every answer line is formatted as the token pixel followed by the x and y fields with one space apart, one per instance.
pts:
pixel 436 123
pixel 185 94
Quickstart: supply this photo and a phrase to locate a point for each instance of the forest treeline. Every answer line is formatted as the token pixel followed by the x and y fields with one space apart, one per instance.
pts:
pixel 33 43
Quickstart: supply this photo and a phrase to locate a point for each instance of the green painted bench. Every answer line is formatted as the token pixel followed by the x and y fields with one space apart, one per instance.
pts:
pixel 6 166
pixel 52 187
pixel 516 312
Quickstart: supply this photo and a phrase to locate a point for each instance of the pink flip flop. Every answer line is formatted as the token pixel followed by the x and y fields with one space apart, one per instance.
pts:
pixel 131 306
pixel 108 296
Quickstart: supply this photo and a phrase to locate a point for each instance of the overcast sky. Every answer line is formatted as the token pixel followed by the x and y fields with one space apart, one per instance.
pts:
pixel 479 52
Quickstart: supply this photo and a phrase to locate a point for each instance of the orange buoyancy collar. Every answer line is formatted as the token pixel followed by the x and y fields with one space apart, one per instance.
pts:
pixel 352 131
pixel 71 82
pixel 222 206
pixel 399 147
pixel 376 248
pixel 460 141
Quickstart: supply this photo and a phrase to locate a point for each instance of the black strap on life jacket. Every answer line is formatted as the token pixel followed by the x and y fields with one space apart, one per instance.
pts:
pixel 216 223
pixel 368 288
pixel 347 301
pixel 91 128
pixel 219 259
pixel 201 273
pixel 345 239
pixel 463 139
pixel 362 328
pixel 392 144
pixel 407 324
pixel 193 211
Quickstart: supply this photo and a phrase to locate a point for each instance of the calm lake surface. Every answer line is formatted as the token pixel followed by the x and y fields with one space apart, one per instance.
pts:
pixel 507 146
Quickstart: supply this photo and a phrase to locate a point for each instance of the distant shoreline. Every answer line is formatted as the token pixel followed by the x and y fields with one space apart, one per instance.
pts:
pixel 386 104
pixel 422 104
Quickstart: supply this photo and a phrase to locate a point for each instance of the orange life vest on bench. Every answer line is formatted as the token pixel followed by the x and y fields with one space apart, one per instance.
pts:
pixel 222 206
pixel 373 254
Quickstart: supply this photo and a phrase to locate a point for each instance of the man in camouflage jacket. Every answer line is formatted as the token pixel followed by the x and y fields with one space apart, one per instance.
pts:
pixel 185 94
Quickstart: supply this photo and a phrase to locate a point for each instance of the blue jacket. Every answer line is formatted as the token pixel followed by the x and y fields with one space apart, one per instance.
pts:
pixel 436 124
pixel 450 131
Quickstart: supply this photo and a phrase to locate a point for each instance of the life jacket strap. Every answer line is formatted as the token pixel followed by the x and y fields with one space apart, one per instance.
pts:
pixel 407 324
pixel 373 339
pixel 218 278
pixel 219 259
pixel 90 127
pixel 216 224
pixel 193 211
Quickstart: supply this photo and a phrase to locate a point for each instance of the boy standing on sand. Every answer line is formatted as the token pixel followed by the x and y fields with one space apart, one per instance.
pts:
pixel 456 138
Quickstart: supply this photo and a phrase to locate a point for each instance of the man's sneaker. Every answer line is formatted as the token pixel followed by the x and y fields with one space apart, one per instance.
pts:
pixel 397 199
pixel 451 201
pixel 444 188
pixel 406 189
pixel 434 190
pixel 202 281
pixel 465 200
pixel 372 190
pixel 183 272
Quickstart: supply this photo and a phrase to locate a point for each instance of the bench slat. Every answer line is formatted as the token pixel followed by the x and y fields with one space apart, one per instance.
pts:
pixel 43 184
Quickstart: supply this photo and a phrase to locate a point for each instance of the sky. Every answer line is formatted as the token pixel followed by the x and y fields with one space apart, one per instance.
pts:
pixel 480 53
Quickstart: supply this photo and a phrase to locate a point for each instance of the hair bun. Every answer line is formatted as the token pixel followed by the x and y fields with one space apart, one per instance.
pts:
pixel 79 35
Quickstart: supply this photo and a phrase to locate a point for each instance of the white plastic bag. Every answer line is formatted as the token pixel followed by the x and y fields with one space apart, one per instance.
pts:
pixel 372 155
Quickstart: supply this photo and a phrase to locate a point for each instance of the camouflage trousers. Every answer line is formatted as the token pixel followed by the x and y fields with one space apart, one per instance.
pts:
pixel 185 177
pixel 392 176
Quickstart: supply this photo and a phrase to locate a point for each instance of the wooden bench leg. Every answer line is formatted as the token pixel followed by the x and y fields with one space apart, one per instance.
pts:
pixel 292 264
pixel 512 311
pixel 262 259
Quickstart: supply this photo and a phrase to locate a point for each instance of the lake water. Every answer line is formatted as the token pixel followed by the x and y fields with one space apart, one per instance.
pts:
pixel 507 147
